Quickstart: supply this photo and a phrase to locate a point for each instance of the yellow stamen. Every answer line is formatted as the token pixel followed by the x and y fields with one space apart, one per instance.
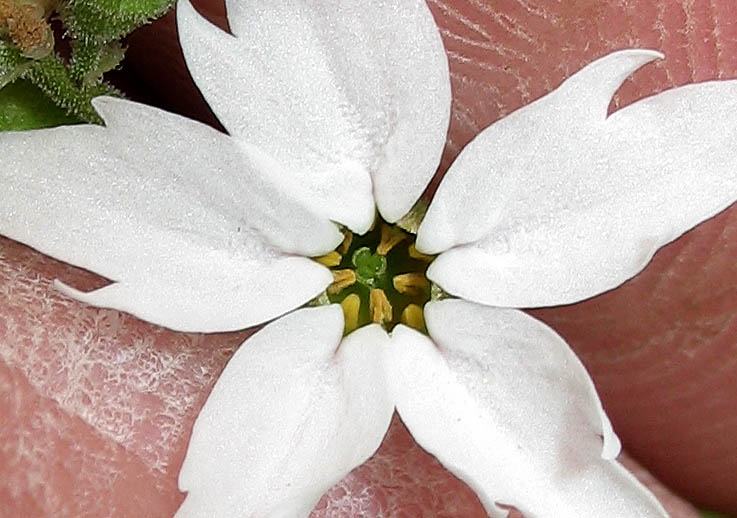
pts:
pixel 413 317
pixel 330 260
pixel 341 280
pixel 390 237
pixel 411 284
pixel 379 307
pixel 346 244
pixel 414 254
pixel 351 304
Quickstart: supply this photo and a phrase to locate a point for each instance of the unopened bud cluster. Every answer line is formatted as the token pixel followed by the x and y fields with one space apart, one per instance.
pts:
pixel 23 23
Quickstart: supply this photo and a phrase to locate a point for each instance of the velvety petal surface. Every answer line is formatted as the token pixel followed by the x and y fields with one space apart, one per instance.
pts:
pixel 663 372
pixel 567 203
pixel 503 403
pixel 100 406
pixel 352 98
pixel 294 411
pixel 186 222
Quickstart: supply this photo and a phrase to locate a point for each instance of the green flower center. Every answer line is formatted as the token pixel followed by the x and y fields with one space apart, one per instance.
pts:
pixel 378 277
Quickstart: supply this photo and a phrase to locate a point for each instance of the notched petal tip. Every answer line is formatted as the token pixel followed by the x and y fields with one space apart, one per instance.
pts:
pixel 296 408
pixel 583 201
pixel 457 216
pixel 101 104
pixel 590 90
pixel 203 306
pixel 612 446
pixel 330 90
pixel 504 404
pixel 73 293
pixel 187 16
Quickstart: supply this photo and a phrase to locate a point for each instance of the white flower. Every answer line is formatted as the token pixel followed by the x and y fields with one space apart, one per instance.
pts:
pixel 333 107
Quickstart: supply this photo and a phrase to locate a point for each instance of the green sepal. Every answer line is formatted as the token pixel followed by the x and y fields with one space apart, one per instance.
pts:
pixel 410 222
pixel 23 106
pixel 12 63
pixel 109 20
pixel 321 300
pixel 53 78
pixel 92 58
pixel 94 28
pixel 111 55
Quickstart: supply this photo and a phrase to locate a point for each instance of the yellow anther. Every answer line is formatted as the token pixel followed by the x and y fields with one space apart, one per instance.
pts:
pixel 411 284
pixel 390 237
pixel 346 244
pixel 351 305
pixel 330 260
pixel 379 307
pixel 341 280
pixel 414 254
pixel 413 317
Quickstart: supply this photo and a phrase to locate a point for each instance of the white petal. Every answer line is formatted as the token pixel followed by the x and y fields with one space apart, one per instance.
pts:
pixel 183 219
pixel 503 402
pixel 557 202
pixel 350 96
pixel 288 418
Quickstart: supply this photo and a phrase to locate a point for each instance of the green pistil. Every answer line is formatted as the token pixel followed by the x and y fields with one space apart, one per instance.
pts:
pixel 370 267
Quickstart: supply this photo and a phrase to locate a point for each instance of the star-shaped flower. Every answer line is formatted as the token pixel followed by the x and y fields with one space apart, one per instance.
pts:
pixel 333 108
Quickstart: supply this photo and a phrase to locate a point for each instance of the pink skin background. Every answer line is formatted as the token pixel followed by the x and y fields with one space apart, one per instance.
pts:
pixel 97 406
